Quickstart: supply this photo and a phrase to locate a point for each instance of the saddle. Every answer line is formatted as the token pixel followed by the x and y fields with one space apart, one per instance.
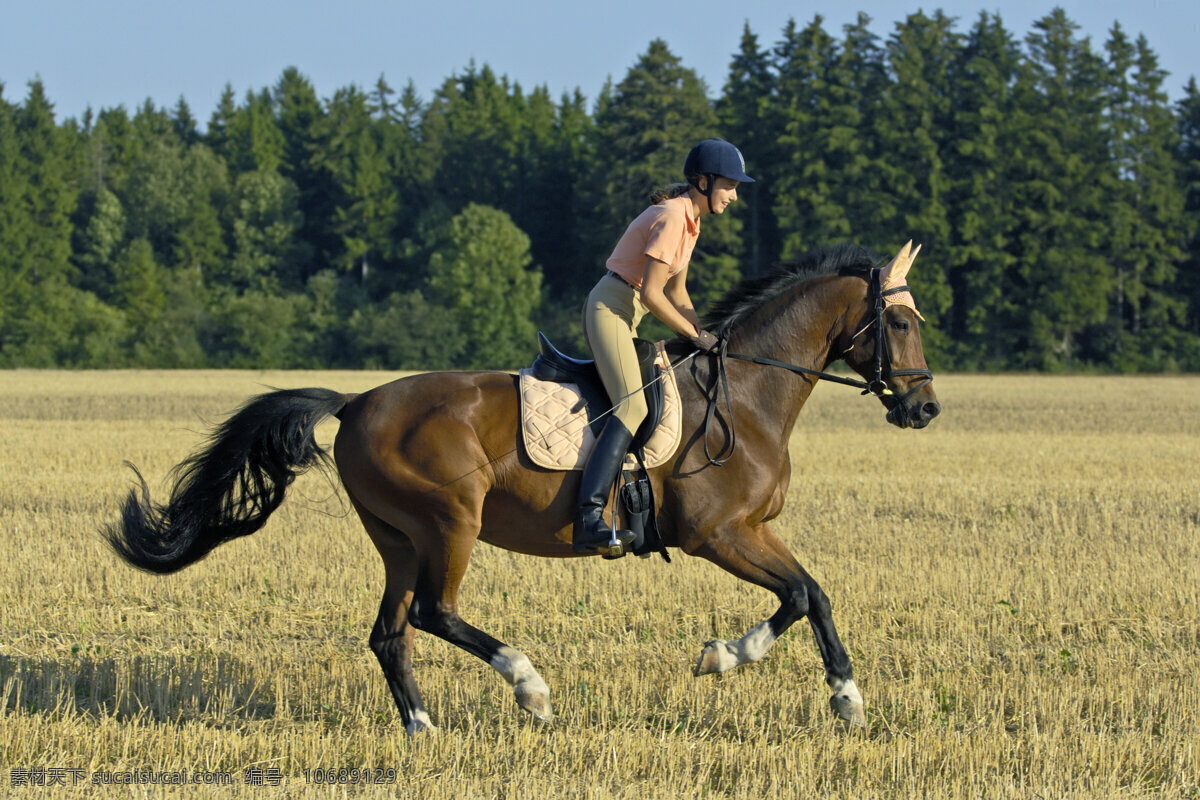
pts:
pixel 564 407
pixel 555 366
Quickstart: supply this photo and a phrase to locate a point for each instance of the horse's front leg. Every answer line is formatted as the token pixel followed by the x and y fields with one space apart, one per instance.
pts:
pixel 755 554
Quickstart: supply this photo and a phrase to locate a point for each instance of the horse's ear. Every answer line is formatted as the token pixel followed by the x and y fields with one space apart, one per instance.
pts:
pixel 897 269
pixel 894 274
pixel 913 257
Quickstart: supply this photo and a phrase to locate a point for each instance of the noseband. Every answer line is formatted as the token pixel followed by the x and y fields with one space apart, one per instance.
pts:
pixel 877 386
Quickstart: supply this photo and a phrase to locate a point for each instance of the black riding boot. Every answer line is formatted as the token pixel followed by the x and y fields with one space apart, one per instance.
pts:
pixel 591 534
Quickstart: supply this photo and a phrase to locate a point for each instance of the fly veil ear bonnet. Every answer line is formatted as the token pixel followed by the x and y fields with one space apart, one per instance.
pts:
pixel 893 275
pixel 892 286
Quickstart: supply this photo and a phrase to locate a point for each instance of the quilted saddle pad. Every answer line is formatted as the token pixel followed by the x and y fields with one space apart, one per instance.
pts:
pixel 554 423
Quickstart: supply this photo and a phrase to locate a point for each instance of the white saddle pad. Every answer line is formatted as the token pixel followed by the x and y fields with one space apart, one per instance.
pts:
pixel 554 427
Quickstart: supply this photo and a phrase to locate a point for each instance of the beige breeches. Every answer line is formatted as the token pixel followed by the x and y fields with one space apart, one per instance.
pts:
pixel 610 319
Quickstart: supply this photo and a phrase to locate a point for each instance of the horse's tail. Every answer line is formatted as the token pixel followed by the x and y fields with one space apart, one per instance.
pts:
pixel 230 487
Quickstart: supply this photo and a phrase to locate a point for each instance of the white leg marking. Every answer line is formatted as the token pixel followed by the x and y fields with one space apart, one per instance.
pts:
pixel 846 702
pixel 420 723
pixel 755 644
pixel 722 656
pixel 531 691
pixel 845 691
pixel 517 669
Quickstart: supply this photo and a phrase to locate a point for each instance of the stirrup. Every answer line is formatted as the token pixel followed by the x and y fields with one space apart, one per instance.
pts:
pixel 610 542
pixel 613 546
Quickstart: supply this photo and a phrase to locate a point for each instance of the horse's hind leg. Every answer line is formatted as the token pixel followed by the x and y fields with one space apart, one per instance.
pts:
pixel 755 554
pixel 392 636
pixel 435 610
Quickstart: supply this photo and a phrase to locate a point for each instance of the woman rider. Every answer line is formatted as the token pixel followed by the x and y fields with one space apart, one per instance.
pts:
pixel 647 271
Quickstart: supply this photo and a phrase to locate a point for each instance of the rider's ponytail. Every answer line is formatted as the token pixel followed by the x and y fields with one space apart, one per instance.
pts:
pixel 669 192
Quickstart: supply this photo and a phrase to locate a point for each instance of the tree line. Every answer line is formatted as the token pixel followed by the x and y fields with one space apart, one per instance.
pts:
pixel 1054 187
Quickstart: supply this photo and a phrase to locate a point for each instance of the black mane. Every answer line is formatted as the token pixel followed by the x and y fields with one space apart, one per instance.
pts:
pixel 747 295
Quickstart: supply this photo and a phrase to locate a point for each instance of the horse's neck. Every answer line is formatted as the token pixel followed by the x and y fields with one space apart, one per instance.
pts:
pixel 800 327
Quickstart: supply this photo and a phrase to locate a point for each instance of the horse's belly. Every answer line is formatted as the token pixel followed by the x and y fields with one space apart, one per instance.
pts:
pixel 536 523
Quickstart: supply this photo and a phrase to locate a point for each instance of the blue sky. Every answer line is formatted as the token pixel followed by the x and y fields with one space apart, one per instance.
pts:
pixel 121 52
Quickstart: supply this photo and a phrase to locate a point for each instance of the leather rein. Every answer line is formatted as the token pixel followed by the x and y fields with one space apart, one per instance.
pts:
pixel 877 386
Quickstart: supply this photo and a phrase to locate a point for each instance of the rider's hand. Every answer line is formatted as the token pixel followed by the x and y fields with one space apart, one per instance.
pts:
pixel 705 341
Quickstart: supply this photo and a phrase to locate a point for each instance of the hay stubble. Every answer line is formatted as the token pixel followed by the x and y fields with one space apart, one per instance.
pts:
pixel 1017 586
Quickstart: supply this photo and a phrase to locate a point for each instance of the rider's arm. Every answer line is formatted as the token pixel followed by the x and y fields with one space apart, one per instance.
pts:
pixel 676 291
pixel 660 293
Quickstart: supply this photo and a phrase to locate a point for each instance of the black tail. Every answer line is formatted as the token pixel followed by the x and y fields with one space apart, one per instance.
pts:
pixel 229 488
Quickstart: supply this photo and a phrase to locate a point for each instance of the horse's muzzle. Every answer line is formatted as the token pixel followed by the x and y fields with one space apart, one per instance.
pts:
pixel 917 416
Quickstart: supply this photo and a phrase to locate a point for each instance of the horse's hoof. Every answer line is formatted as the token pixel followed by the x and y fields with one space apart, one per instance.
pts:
pixel 849 710
pixel 537 703
pixel 420 725
pixel 715 657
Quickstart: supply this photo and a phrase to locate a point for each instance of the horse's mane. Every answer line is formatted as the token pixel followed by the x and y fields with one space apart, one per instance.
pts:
pixel 749 294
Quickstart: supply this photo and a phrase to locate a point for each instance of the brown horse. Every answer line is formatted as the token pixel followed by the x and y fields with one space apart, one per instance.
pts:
pixel 431 464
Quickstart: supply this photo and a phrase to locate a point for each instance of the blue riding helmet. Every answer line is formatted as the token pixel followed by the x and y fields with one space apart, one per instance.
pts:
pixel 717 157
pixel 714 158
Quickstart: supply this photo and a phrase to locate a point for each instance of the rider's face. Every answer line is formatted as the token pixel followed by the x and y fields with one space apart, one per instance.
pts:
pixel 724 192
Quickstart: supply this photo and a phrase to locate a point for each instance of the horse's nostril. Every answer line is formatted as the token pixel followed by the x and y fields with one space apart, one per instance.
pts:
pixel 931 410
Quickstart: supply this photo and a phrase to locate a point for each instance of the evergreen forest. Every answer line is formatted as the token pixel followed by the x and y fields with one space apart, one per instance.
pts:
pixel 1054 187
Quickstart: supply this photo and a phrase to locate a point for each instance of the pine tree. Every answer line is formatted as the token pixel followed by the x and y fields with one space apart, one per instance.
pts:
pixel 980 210
pixel 218 136
pixel 99 242
pixel 915 124
pixel 255 140
pixel 173 199
pixel 412 173
pixel 16 226
pixel 555 215
pixel 49 193
pixel 748 116
pixel 137 286
pixel 1187 111
pixel 808 214
pixel 1146 206
pixel 299 116
pixel 850 119
pixel 1063 279
pixel 364 199
pixel 472 132
pixel 44 320
pixel 381 105
pixel 111 151
pixel 184 123
pixel 152 124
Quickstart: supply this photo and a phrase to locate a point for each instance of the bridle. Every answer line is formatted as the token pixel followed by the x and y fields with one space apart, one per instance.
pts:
pixel 877 386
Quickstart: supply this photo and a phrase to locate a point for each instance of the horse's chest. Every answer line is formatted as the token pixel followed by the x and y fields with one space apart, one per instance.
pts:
pixel 779 493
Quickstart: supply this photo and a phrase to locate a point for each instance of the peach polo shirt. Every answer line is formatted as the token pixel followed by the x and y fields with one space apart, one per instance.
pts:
pixel 666 232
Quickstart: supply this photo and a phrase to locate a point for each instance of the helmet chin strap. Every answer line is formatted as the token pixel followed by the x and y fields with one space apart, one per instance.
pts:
pixel 708 191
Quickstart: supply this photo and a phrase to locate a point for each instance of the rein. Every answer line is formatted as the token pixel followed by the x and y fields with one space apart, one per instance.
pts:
pixel 877 387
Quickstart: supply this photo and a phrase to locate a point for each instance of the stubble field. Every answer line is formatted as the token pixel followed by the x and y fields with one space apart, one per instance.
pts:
pixel 1018 586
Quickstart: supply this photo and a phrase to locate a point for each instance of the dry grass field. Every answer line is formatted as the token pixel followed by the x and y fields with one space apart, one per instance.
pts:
pixel 1018 585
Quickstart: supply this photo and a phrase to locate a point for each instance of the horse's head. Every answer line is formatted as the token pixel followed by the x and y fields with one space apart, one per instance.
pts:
pixel 884 346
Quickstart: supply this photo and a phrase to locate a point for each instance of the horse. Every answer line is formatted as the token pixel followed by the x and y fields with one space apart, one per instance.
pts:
pixel 431 465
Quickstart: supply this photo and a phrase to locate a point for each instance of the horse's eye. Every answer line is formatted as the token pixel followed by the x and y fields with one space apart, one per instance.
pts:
pixel 901 325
